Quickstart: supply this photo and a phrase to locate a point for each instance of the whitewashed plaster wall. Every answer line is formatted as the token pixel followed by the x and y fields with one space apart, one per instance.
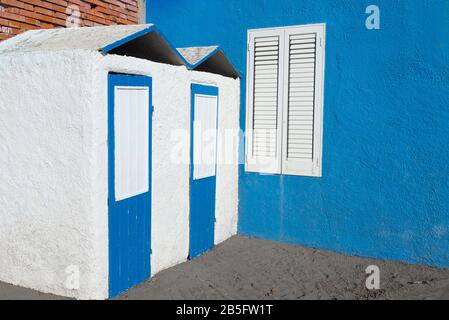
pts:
pixel 48 223
pixel 53 167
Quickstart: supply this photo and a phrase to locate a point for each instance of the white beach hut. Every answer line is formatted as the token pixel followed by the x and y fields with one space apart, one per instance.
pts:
pixel 103 175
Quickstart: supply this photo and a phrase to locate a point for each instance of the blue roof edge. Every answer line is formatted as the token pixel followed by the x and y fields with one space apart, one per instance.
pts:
pixel 210 55
pixel 186 63
pixel 193 66
pixel 152 28
pixel 127 39
pixel 141 33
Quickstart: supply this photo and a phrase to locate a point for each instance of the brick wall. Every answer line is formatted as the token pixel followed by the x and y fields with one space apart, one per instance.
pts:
pixel 17 16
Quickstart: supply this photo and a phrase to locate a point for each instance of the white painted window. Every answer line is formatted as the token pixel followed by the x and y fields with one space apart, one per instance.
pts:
pixel 131 123
pixel 285 79
pixel 205 136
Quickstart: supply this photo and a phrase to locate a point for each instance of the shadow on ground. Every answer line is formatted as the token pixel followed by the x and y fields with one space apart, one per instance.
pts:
pixel 246 268
pixel 10 292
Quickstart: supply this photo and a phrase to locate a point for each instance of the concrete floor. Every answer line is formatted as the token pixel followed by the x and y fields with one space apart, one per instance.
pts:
pixel 244 268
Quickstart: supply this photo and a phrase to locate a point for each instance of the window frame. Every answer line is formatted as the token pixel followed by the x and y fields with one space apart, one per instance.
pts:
pixel 280 164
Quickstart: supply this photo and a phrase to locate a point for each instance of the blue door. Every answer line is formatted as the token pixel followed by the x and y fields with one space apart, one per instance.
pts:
pixel 203 155
pixel 129 142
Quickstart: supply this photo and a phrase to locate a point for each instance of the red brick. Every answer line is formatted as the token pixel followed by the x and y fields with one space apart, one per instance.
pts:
pixel 4 36
pixel 44 11
pixel 12 16
pixel 60 15
pixel 17 4
pixel 62 3
pixel 80 3
pixel 45 5
pixel 117 3
pixel 19 25
pixel 132 8
pixel 21 15
pixel 47 26
pixel 44 18
pixel 133 19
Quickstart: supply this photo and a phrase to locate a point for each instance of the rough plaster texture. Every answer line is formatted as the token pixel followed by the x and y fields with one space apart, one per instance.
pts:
pixel 384 191
pixel 53 167
pixel 94 38
pixel 47 220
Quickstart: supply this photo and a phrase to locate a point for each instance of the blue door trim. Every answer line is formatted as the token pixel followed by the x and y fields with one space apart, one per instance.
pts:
pixel 203 191
pixel 134 247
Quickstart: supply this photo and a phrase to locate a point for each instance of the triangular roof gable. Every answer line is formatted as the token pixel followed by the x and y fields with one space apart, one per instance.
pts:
pixel 140 41
pixel 147 43
pixel 210 59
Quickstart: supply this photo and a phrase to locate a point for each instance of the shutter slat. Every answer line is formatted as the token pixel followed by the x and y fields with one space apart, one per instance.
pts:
pixel 302 41
pixel 266 102
pixel 302 46
pixel 262 40
pixel 302 56
pixel 301 93
pixel 273 67
pixel 268 63
pixel 303 36
pixel 298 102
pixel 270 53
pixel 302 70
pixel 266 86
pixel 267 73
pixel 303 51
pixel 271 58
pixel 302 62
pixel 270 79
pixel 268 48
pixel 300 118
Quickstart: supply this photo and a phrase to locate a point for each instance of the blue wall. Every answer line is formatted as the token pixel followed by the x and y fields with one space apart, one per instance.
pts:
pixel 385 186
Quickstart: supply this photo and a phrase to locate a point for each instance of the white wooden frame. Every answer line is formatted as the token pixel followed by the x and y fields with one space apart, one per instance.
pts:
pixel 280 164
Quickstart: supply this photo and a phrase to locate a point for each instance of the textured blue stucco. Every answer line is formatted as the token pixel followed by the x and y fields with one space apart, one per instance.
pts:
pixel 385 186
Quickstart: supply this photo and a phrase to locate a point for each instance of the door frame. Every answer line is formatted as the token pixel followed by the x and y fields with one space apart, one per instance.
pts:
pixel 206 90
pixel 127 80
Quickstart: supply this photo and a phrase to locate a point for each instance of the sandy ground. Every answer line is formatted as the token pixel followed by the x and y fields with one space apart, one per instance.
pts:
pixel 244 268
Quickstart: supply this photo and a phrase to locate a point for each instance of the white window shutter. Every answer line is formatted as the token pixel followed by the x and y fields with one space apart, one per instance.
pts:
pixel 303 101
pixel 264 101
